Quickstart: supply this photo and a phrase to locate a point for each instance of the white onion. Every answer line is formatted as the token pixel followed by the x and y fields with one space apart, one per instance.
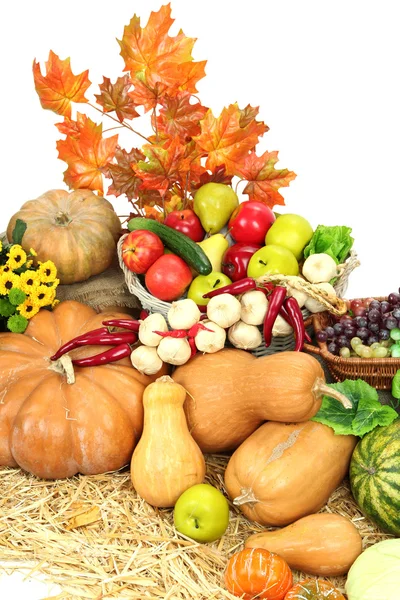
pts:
pixel 175 351
pixel 254 307
pixel 244 336
pixel 154 322
pixel 183 314
pixel 146 360
pixel 224 310
pixel 210 341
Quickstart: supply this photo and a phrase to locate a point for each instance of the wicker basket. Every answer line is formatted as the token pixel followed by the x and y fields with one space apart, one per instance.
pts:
pixel 378 372
pixel 279 344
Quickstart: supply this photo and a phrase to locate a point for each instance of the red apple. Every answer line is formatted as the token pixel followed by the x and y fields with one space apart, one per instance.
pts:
pixel 168 277
pixel 236 260
pixel 140 249
pixel 187 222
pixel 250 222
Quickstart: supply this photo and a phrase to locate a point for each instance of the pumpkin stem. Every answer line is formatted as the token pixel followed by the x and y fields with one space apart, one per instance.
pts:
pixel 247 497
pixel 322 389
pixel 62 218
pixel 64 366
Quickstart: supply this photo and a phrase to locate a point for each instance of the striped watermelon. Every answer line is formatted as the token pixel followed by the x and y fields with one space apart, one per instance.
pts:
pixel 375 476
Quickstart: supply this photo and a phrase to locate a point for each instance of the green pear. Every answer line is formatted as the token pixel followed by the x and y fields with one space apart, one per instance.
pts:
pixel 214 248
pixel 214 203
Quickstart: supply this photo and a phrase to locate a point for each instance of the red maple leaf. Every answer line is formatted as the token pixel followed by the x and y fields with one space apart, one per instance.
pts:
pixel 86 153
pixel 124 179
pixel 117 97
pixel 59 87
pixel 178 117
pixel 263 179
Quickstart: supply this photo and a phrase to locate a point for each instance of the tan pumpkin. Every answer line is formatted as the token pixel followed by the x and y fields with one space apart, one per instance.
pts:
pixel 230 393
pixel 167 461
pixel 323 544
pixel 77 230
pixel 283 472
pixel 53 426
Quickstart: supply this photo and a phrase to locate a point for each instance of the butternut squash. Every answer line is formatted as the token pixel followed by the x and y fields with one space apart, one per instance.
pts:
pixel 231 393
pixel 283 472
pixel 323 544
pixel 167 460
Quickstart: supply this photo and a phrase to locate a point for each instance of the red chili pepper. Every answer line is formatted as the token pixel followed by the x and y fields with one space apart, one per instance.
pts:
pixel 131 324
pixel 193 346
pixel 86 337
pixel 277 297
pixel 101 339
pixel 104 358
pixel 175 333
pixel 236 288
pixel 296 316
pixel 266 288
pixel 143 314
pixel 194 330
pixel 284 314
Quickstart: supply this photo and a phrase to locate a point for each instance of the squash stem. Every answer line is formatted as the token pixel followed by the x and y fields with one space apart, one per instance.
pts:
pixel 321 388
pixel 64 366
pixel 247 497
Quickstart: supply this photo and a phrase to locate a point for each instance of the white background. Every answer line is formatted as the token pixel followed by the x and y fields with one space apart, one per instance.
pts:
pixel 324 73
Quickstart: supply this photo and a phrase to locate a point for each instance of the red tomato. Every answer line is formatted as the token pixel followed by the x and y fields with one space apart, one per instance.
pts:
pixel 258 572
pixel 314 589
pixel 168 277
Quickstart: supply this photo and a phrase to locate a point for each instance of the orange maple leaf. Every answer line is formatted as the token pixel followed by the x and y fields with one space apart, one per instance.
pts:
pixel 117 97
pixel 86 153
pixel 226 140
pixel 166 164
pixel 179 117
pixel 124 179
pixel 263 179
pixel 154 57
pixel 59 87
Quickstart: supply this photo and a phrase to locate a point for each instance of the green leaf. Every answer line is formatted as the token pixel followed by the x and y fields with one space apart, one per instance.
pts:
pixel 334 240
pixel 19 230
pixel 335 415
pixel 370 415
pixel 396 385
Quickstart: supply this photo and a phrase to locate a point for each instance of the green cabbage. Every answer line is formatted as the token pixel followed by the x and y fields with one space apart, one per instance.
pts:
pixel 375 574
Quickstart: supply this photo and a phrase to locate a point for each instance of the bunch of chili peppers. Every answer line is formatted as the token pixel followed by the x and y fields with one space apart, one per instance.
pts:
pixel 279 304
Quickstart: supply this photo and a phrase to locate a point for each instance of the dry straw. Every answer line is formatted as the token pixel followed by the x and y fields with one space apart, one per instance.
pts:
pixel 94 537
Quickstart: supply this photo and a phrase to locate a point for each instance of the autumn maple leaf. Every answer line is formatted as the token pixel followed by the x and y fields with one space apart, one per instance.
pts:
pixel 124 179
pixel 155 58
pixel 117 97
pixel 59 87
pixel 263 179
pixel 228 138
pixel 178 117
pixel 86 153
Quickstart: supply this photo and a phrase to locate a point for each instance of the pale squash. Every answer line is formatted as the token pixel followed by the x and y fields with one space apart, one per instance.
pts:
pixel 54 424
pixel 323 544
pixel 78 231
pixel 231 393
pixel 283 472
pixel 167 460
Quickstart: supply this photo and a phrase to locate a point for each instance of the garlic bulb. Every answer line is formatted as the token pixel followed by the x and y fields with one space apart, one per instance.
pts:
pixel 254 307
pixel 244 336
pixel 313 305
pixel 224 310
pixel 299 295
pixel 210 341
pixel 183 314
pixel 281 328
pixel 175 351
pixel 319 268
pixel 154 322
pixel 146 360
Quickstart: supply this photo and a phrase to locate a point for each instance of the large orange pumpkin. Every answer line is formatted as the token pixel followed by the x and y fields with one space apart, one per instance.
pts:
pixel 55 428
pixel 77 230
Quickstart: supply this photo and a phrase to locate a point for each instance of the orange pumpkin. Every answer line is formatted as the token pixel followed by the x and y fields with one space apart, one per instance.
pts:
pixel 314 589
pixel 78 231
pixel 53 426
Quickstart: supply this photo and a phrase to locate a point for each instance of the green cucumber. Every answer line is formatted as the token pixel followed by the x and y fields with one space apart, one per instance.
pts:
pixel 176 241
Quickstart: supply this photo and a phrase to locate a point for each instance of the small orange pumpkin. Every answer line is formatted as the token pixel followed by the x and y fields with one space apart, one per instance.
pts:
pixel 55 422
pixel 78 231
pixel 314 589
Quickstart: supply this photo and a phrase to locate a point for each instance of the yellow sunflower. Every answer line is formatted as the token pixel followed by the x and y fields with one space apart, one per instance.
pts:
pixel 8 280
pixel 42 294
pixel 5 269
pixel 29 308
pixel 47 272
pixel 28 281
pixel 16 257
pixel 32 252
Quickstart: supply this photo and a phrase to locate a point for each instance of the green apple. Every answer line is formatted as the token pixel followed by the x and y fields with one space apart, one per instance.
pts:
pixel 202 513
pixel 290 231
pixel 272 260
pixel 202 284
pixel 214 203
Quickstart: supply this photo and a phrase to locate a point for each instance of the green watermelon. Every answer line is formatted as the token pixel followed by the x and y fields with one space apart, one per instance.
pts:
pixel 375 476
